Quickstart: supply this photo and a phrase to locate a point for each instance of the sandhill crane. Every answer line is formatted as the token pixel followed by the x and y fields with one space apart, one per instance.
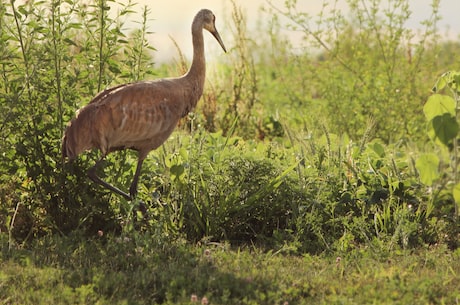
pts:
pixel 140 115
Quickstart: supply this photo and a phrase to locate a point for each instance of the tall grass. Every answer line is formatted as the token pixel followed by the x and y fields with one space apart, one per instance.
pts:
pixel 369 65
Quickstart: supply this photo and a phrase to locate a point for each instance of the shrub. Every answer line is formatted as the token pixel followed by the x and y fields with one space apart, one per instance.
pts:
pixel 54 56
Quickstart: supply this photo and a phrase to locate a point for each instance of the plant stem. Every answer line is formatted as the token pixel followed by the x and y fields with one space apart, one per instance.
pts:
pixel 456 147
pixel 56 31
pixel 11 226
pixel 102 4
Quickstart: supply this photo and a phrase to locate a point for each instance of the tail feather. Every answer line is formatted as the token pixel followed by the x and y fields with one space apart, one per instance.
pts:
pixel 77 136
pixel 84 131
pixel 69 143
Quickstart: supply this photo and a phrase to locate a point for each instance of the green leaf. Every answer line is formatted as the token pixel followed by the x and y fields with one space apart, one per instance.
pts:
pixel 177 172
pixel 450 79
pixel 428 168
pixel 443 128
pixel 438 105
pixel 23 11
pixel 455 82
pixel 70 42
pixel 377 148
pixel 271 186
pixel 440 84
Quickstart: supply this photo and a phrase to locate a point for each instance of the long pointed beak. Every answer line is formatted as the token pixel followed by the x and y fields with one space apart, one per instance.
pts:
pixel 217 36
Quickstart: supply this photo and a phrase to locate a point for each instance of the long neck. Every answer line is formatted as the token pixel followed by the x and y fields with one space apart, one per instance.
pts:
pixel 197 72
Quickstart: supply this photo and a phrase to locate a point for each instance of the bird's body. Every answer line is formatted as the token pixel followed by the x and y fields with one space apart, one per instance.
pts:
pixel 141 115
pixel 138 116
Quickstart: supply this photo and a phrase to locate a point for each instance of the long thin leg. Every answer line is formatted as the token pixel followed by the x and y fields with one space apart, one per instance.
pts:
pixel 133 187
pixel 92 175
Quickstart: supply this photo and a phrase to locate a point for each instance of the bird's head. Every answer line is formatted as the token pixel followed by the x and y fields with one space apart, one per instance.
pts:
pixel 209 23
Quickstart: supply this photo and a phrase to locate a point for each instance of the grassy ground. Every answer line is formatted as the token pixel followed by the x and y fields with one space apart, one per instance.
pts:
pixel 140 270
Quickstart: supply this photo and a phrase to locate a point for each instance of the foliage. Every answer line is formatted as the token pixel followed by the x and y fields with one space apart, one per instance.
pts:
pixel 441 111
pixel 269 158
pixel 318 193
pixel 54 57
pixel 218 189
pixel 369 66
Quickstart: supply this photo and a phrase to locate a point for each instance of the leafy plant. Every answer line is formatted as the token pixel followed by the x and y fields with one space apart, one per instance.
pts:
pixel 441 112
pixel 55 56
pixel 218 187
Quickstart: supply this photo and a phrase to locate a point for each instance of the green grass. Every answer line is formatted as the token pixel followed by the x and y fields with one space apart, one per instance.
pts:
pixel 136 270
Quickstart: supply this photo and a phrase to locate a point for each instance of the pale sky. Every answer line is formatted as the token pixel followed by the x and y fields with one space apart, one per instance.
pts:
pixel 173 18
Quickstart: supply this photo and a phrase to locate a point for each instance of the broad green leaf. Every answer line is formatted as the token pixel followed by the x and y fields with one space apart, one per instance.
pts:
pixel 377 148
pixel 177 172
pixel 443 128
pixel 183 153
pixel 440 84
pixel 428 168
pixel 438 105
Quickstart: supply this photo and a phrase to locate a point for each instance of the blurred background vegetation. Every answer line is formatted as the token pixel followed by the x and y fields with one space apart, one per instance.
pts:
pixel 316 148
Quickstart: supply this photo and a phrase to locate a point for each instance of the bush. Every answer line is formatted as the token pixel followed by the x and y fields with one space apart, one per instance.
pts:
pixel 55 56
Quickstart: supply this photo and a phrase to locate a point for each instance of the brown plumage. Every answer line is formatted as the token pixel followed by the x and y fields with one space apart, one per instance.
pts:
pixel 141 115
